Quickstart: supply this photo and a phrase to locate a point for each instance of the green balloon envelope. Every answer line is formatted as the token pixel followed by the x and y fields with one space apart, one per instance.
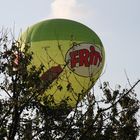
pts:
pixel 73 56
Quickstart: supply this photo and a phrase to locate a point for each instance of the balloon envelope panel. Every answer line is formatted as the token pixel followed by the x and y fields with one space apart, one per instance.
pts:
pixel 73 56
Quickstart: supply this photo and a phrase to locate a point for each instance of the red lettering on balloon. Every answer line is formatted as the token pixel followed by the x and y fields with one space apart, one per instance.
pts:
pixel 95 57
pixel 85 57
pixel 74 59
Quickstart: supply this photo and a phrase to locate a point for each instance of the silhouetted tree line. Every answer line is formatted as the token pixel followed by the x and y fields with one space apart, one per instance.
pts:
pixel 24 117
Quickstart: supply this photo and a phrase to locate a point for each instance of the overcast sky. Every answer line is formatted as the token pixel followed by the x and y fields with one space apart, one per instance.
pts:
pixel 117 23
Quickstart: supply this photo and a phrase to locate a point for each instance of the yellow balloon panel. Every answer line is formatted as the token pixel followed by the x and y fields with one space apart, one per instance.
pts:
pixel 68 84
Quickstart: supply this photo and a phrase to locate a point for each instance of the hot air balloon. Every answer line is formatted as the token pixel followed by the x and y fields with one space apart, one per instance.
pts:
pixel 72 54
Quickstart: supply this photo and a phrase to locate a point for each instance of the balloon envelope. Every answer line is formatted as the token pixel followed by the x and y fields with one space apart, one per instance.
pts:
pixel 73 56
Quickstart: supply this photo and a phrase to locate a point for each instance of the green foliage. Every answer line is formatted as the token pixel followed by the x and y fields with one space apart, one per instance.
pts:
pixel 113 117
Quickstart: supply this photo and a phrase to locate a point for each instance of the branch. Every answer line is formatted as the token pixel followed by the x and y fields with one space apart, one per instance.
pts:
pixel 6 114
pixel 90 126
pixel 6 91
pixel 102 110
pixel 122 96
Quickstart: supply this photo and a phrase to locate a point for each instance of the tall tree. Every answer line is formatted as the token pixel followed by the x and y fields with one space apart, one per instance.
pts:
pixel 23 116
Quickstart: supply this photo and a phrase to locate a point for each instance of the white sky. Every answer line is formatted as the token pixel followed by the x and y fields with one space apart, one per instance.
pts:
pixel 117 22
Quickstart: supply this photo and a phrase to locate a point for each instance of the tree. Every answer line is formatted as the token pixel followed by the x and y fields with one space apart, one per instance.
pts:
pixel 113 117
